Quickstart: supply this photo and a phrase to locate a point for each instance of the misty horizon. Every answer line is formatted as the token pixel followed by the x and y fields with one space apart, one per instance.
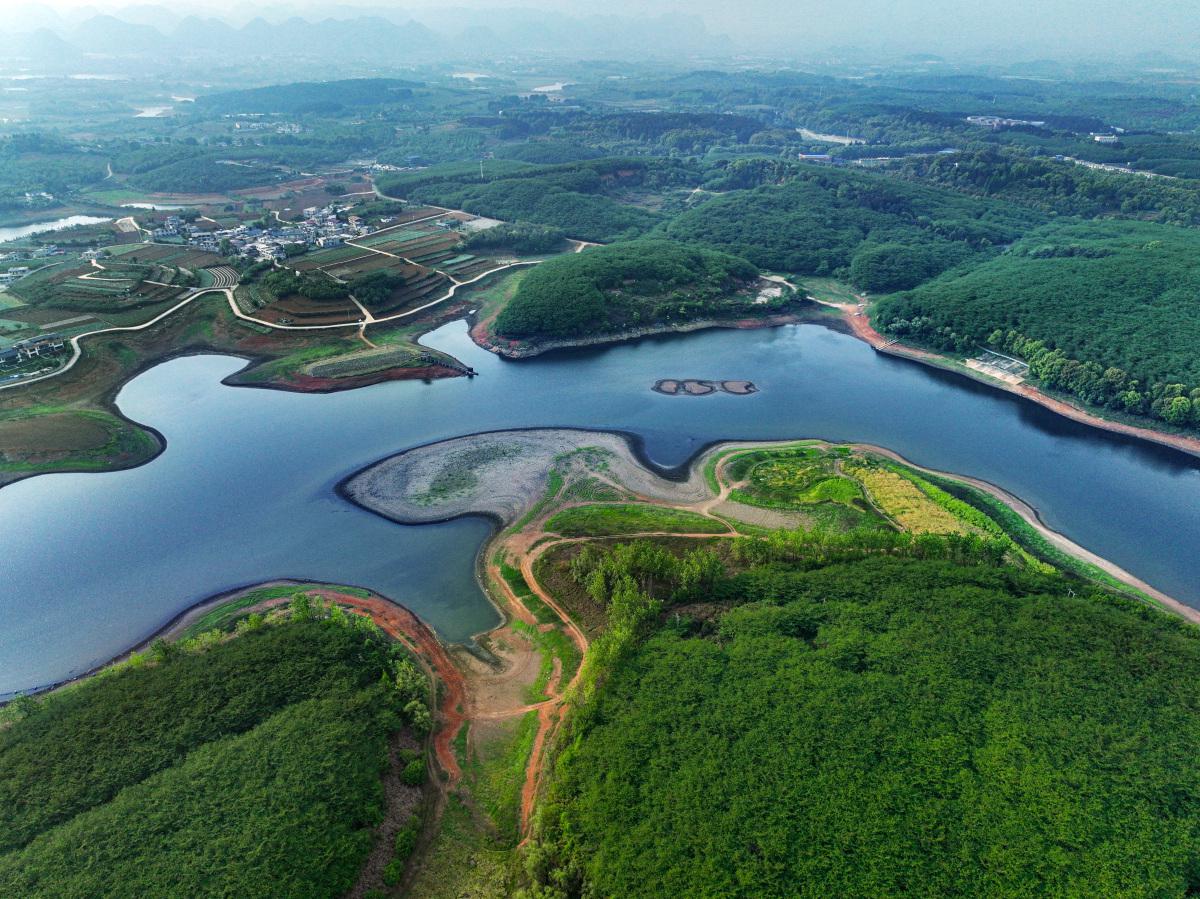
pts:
pixel 984 31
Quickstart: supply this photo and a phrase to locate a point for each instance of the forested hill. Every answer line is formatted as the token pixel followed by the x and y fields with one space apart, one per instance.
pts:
pixel 819 221
pixel 309 97
pixel 627 285
pixel 1107 311
pixel 875 726
pixel 222 767
pixel 575 197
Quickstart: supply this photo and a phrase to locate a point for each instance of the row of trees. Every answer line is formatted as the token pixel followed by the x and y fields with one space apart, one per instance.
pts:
pixel 1111 387
pixel 286 282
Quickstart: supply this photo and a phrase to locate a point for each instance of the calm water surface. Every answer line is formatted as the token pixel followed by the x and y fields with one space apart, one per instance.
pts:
pixel 71 221
pixel 245 491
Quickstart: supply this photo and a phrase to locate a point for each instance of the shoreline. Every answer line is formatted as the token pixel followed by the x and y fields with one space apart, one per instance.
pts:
pixel 860 326
pixel 178 623
pixel 845 322
pixel 694 467
pixel 486 340
pixel 107 402
pixel 1033 518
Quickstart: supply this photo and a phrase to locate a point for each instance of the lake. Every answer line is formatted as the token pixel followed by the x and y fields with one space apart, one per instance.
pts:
pixel 245 490
pixel 21 231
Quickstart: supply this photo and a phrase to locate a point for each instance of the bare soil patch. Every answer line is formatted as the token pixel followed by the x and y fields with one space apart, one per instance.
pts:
pixel 45 436
pixel 496 691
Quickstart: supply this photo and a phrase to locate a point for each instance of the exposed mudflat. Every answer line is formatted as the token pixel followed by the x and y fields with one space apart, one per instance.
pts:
pixel 700 387
pixel 503 474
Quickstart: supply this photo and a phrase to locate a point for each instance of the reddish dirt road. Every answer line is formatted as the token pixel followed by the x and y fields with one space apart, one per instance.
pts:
pixel 401 624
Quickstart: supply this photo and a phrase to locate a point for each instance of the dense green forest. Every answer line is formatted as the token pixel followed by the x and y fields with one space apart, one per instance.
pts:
pixel 819 220
pixel 521 237
pixel 285 282
pixel 837 722
pixel 1059 186
pixel 35 164
pixel 232 768
pixel 572 197
pixel 309 97
pixel 1105 311
pixel 626 285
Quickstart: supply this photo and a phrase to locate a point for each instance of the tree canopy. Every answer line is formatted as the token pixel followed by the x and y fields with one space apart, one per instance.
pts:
pixel 604 289
pixel 882 726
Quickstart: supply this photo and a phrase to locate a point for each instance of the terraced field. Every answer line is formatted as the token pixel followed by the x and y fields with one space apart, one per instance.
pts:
pixel 174 255
pixel 123 287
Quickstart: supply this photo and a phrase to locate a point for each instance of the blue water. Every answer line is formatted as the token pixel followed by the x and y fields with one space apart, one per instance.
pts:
pixel 245 489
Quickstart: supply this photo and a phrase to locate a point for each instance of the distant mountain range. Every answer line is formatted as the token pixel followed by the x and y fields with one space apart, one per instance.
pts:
pixel 42 38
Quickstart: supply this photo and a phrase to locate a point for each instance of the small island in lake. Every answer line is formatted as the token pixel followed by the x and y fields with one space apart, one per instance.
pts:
pixel 698 387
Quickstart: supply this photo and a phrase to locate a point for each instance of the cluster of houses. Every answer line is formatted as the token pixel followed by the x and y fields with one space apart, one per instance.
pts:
pixel 996 122
pixel 42 346
pixel 39 252
pixel 320 228
pixel 16 273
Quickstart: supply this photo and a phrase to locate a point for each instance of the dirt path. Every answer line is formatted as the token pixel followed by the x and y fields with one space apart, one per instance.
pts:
pixel 548 714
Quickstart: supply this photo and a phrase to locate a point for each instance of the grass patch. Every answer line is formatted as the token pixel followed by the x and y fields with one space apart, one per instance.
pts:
pixel 463 860
pixel 551 644
pixel 497 772
pixel 629 518
pixel 57 438
pixel 520 587
pixel 458 476
pixel 224 616
pixel 828 290
pixel 554 484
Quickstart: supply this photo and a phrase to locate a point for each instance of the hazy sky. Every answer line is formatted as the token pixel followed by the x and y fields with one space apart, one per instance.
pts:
pixel 1028 28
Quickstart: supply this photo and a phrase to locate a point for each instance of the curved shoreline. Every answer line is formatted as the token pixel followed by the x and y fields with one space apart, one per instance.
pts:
pixel 486 340
pixel 107 402
pixel 180 621
pixel 847 323
pixel 860 326
pixel 695 465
